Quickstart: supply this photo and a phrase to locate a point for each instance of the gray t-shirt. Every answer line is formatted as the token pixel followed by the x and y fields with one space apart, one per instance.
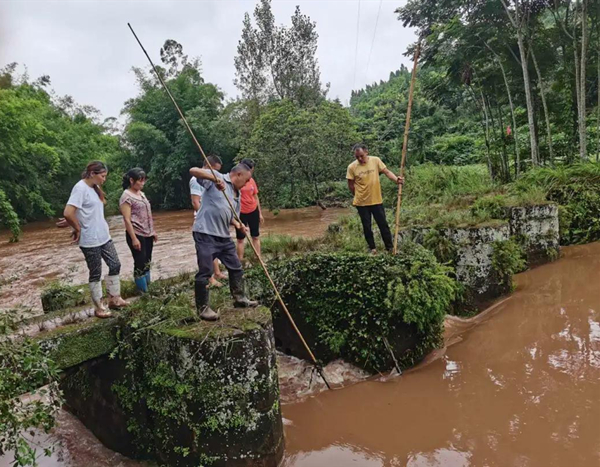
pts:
pixel 214 216
pixel 90 214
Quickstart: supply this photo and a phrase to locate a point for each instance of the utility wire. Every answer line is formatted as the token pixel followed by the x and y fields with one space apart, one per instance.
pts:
pixel 356 46
pixel 373 40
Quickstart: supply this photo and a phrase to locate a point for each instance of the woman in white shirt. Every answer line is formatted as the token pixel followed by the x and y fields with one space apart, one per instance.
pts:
pixel 84 212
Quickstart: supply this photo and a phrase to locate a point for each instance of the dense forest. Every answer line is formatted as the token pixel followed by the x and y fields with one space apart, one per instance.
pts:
pixel 509 84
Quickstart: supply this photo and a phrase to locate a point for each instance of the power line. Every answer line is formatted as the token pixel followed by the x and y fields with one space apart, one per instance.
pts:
pixel 373 40
pixel 356 47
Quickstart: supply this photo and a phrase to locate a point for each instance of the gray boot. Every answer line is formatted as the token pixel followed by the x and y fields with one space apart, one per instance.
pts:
pixel 236 285
pixel 204 310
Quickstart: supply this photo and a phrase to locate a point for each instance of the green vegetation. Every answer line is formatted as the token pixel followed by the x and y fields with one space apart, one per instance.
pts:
pixel 576 189
pixel 364 302
pixel 298 150
pixel 24 369
pixel 508 259
pixel 45 143
pixel 57 295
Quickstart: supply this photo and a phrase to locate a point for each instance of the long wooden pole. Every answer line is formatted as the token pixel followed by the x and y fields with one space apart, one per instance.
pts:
pixel 405 143
pixel 235 215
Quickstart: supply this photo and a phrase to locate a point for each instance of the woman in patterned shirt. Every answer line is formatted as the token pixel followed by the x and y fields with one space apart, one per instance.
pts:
pixel 139 226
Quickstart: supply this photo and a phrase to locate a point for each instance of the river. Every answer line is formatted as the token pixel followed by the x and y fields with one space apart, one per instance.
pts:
pixel 45 253
pixel 517 386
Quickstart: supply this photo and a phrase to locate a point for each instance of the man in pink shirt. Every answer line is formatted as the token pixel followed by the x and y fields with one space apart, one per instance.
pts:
pixel 251 214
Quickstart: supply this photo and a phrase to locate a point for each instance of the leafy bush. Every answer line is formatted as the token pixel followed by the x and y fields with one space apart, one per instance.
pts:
pixel 576 188
pixel 356 304
pixel 58 296
pixel 508 258
pixel 24 368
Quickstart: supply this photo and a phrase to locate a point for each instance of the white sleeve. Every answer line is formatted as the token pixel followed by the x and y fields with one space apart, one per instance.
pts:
pixel 195 187
pixel 76 198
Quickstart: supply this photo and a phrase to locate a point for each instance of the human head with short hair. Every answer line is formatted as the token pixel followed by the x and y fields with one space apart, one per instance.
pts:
pixel 240 175
pixel 361 153
pixel 215 162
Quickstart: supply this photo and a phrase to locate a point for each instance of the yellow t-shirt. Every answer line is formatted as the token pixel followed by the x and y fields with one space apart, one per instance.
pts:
pixel 367 188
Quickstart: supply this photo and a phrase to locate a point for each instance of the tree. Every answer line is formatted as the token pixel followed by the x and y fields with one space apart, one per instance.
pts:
pixel 45 144
pixel 157 139
pixel 298 149
pixel 278 62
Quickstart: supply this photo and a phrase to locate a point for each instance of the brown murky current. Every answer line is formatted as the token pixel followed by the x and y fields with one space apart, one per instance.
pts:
pixel 519 385
pixel 45 251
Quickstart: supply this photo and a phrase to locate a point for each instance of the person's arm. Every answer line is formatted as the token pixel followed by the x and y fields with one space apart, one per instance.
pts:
pixel 70 214
pixel 351 186
pixel 126 211
pixel 202 174
pixel 196 202
pixel 260 216
pixel 393 177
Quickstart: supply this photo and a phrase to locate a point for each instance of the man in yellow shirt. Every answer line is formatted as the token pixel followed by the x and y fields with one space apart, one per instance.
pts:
pixel 363 181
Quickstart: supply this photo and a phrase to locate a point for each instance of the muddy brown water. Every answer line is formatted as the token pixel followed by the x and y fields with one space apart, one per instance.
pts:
pixel 517 386
pixel 45 252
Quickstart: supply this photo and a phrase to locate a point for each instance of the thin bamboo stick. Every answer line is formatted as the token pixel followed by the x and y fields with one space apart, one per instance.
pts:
pixel 405 144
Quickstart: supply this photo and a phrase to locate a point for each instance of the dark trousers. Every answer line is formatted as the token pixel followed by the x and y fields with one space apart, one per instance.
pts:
pixel 377 211
pixel 209 247
pixel 142 257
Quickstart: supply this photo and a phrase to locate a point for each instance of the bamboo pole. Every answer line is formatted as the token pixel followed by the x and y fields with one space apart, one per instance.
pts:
pixel 235 215
pixel 405 143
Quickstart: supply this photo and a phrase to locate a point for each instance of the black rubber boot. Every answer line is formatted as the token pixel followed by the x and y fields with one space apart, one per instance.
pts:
pixel 202 295
pixel 236 285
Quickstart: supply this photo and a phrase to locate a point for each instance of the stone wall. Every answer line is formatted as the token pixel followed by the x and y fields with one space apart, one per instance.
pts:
pixel 201 394
pixel 473 247
pixel 537 229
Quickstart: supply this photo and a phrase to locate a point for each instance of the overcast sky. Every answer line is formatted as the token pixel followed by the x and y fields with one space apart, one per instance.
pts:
pixel 88 51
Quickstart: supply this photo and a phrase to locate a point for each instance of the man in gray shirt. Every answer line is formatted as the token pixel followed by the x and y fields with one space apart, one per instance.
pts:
pixel 212 237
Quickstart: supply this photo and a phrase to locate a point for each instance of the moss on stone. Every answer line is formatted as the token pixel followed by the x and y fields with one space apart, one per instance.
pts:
pixel 73 344
pixel 233 321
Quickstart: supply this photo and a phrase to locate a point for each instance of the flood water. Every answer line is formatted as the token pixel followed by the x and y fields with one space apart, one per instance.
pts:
pixel 45 252
pixel 517 386
pixel 520 387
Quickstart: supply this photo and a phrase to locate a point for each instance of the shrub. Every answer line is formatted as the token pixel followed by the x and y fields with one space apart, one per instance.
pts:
pixel 576 188
pixel 58 296
pixel 357 304
pixel 24 368
pixel 508 258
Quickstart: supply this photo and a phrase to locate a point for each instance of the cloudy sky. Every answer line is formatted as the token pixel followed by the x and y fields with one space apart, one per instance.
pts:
pixel 88 51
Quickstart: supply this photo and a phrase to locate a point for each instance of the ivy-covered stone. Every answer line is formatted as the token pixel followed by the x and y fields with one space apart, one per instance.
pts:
pixel 536 228
pixel 374 311
pixel 186 395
